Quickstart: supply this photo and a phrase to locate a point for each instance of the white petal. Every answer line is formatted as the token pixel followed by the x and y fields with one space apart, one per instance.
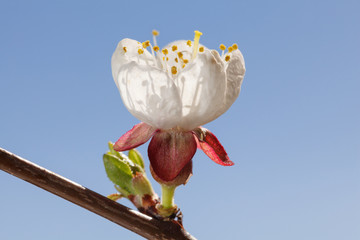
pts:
pixel 149 94
pixel 235 72
pixel 202 86
pixel 121 57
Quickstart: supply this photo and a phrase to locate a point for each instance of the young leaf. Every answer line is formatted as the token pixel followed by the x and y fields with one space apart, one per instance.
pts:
pixel 118 172
pixel 136 157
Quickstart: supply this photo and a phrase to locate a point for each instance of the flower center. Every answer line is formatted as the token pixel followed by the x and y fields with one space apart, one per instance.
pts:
pixel 175 58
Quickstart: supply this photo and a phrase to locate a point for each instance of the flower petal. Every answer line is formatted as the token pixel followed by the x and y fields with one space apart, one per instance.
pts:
pixel 235 72
pixel 169 152
pixel 127 51
pixel 212 147
pixel 138 135
pixel 150 95
pixel 202 86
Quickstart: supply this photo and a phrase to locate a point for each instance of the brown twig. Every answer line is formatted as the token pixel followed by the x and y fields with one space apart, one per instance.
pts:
pixel 139 223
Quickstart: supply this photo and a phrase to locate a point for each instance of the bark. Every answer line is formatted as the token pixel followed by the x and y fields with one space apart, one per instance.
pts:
pixel 135 221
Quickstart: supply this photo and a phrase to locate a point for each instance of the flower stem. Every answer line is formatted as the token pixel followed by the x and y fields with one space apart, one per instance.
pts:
pixel 167 198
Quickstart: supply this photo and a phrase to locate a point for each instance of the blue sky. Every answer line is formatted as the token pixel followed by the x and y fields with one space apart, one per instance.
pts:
pixel 293 133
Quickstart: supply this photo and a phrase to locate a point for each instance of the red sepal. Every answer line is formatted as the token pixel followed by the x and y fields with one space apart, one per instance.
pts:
pixel 169 152
pixel 212 147
pixel 137 136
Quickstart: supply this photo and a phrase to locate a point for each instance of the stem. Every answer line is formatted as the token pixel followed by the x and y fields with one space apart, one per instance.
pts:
pixel 149 228
pixel 167 198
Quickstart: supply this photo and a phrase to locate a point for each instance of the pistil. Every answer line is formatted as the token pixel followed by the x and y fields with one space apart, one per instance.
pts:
pixel 196 44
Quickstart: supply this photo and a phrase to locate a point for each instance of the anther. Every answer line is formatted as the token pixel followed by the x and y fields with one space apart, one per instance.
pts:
pixel 230 49
pixel 124 48
pixel 176 60
pixel 201 49
pixel 156 48
pixel 234 46
pixel 165 51
pixel 174 48
pixel 227 58
pixel 140 51
pixel 173 70
pixel 222 47
pixel 146 44
pixel 180 54
pixel 186 61
pixel 188 43
pixel 183 65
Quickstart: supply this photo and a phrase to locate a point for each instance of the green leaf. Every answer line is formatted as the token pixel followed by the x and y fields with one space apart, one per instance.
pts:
pixel 113 152
pixel 119 172
pixel 136 157
pixel 133 166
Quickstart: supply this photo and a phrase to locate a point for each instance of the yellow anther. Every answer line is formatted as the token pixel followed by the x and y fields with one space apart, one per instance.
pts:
pixel 174 48
pixel 167 59
pixel 165 51
pixel 176 60
pixel 201 49
pixel 173 70
pixel 227 58
pixel 186 61
pixel 156 48
pixel 188 43
pixel 146 44
pixel 230 49
pixel 140 51
pixel 183 65
pixel 124 48
pixel 196 43
pixel 180 54
pixel 234 46
pixel 155 33
pixel 222 47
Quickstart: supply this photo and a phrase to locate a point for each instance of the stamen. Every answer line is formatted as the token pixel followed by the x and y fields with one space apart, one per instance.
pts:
pixel 234 46
pixel 124 48
pixel 227 58
pixel 183 65
pixel 140 51
pixel 230 49
pixel 180 54
pixel 146 44
pixel 196 43
pixel 173 70
pixel 222 48
pixel 174 48
pixel 176 60
pixel 155 33
pixel 188 43
pixel 201 49
pixel 165 51
pixel 156 48
pixel 186 61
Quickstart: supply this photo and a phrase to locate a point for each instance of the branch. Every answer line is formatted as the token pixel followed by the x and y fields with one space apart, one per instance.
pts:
pixel 135 221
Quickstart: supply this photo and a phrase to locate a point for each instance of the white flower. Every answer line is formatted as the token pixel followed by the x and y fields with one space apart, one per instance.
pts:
pixel 173 92
pixel 184 86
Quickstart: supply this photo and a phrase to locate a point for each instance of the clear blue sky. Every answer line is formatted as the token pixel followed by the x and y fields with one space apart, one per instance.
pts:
pixel 293 133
